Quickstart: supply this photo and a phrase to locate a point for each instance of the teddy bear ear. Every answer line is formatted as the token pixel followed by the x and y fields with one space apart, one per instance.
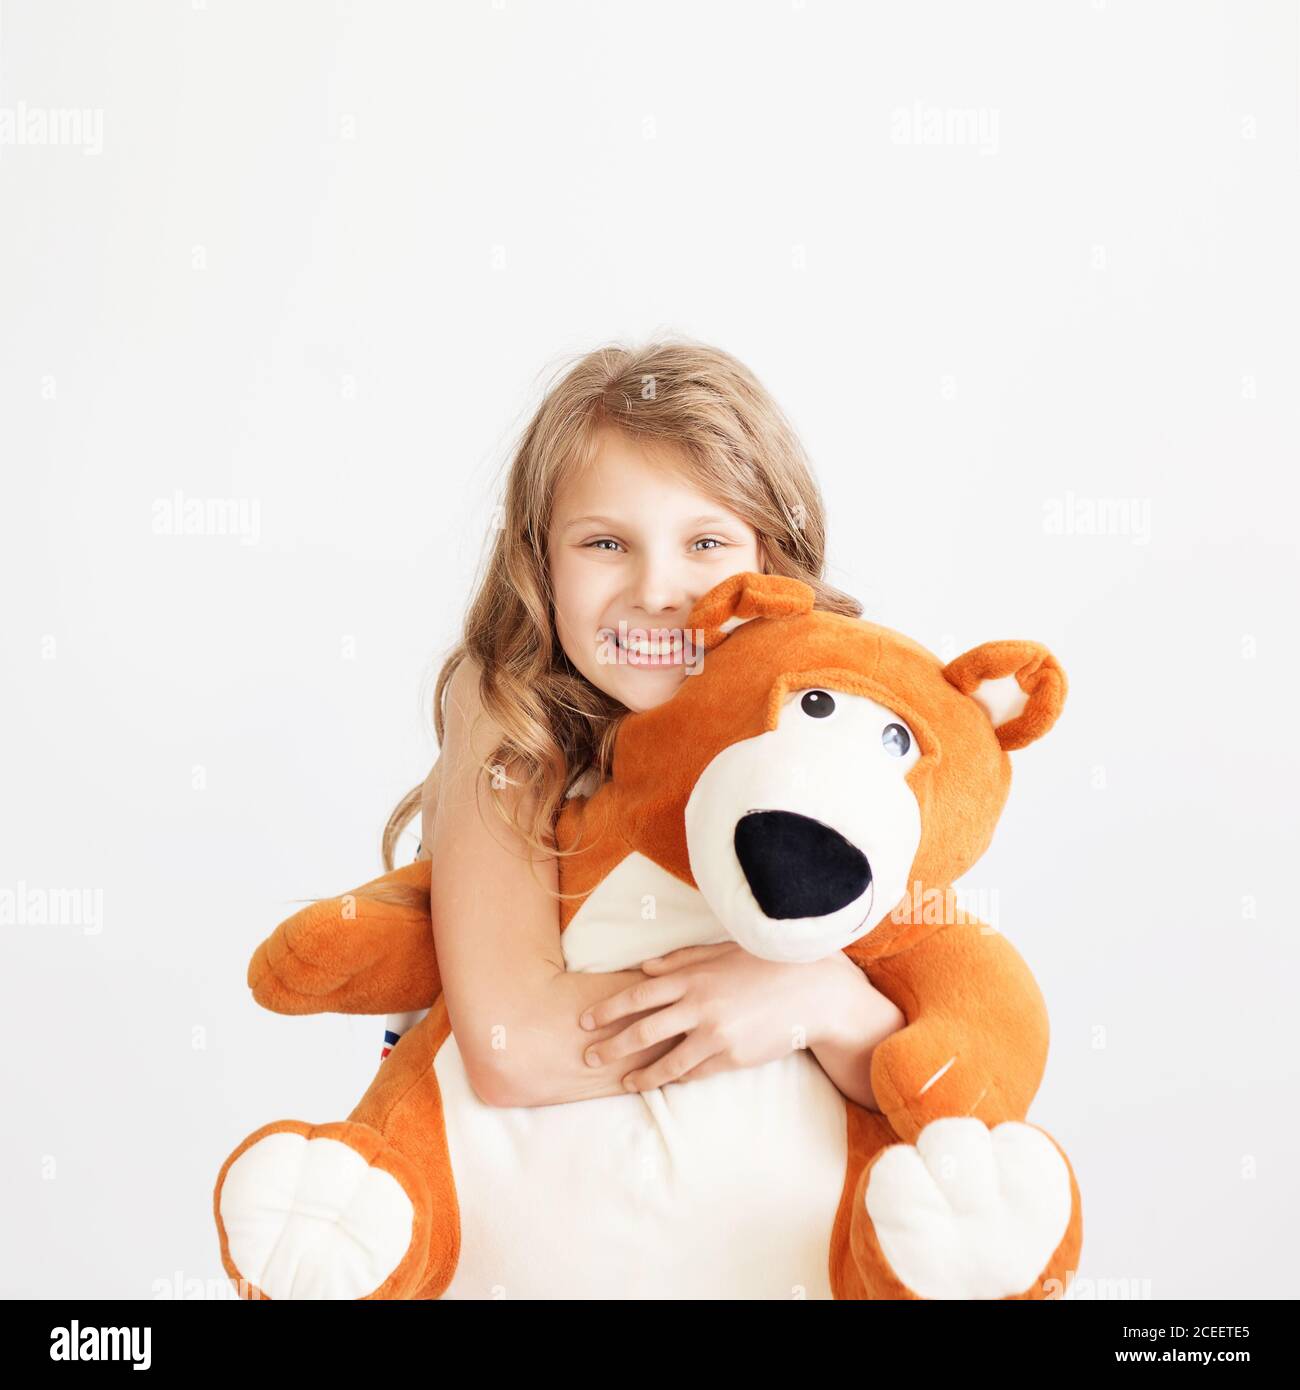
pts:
pixel 1019 685
pixel 742 597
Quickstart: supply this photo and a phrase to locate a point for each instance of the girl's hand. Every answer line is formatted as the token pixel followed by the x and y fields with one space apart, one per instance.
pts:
pixel 735 1010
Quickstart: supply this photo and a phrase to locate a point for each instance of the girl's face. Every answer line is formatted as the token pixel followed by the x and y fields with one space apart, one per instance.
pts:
pixel 631 547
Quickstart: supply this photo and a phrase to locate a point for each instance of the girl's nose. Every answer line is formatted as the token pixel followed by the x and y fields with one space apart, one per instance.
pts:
pixel 657 591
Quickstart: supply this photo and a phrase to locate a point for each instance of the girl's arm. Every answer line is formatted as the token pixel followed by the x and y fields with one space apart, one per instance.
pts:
pixel 858 1018
pixel 512 1005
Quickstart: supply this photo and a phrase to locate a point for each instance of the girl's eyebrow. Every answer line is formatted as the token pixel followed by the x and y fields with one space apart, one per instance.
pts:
pixel 611 522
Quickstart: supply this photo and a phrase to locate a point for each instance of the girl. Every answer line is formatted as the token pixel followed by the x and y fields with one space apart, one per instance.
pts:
pixel 645 478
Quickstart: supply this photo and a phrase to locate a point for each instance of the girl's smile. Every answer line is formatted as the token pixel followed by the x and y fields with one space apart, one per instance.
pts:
pixel 638 646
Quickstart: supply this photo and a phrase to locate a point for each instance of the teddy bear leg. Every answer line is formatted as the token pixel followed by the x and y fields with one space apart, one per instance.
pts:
pixel 967 1212
pixel 321 1211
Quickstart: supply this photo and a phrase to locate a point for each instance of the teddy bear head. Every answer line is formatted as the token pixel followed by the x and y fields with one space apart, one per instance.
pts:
pixel 814 767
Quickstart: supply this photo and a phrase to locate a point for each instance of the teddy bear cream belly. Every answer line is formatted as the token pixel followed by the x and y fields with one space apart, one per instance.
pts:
pixel 726 1187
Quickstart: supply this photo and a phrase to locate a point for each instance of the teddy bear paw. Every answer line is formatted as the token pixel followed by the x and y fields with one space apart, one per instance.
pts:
pixel 967 1212
pixel 314 1211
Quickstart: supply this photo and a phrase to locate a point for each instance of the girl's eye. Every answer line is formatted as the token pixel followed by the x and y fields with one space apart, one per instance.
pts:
pixel 712 542
pixel 601 542
pixel 895 740
pixel 817 703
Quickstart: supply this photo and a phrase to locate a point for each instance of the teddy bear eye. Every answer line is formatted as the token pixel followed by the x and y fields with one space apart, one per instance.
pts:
pixel 896 740
pixel 817 703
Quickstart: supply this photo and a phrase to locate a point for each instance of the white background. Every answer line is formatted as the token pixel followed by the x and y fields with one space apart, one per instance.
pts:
pixel 324 260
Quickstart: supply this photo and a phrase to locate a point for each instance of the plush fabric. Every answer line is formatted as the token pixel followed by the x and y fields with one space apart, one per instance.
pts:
pixel 818 785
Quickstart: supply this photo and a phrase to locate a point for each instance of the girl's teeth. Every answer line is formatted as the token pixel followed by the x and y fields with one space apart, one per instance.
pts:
pixel 640 647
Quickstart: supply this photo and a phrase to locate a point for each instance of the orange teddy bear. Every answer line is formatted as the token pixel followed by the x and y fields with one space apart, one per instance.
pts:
pixel 818 780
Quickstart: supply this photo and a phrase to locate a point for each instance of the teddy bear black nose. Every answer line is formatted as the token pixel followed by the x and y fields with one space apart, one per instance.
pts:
pixel 798 867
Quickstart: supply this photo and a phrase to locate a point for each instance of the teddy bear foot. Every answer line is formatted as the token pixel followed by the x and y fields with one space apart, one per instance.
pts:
pixel 968 1212
pixel 321 1211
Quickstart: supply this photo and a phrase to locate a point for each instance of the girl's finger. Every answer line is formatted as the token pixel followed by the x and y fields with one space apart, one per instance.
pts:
pixel 670 1067
pixel 709 1067
pixel 684 955
pixel 634 999
pixel 636 1037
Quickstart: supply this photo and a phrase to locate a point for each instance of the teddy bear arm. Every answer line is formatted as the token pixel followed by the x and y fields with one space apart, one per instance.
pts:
pixel 976 1037
pixel 370 951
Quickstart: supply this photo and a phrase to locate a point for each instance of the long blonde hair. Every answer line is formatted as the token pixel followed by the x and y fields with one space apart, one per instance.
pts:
pixel 737 447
